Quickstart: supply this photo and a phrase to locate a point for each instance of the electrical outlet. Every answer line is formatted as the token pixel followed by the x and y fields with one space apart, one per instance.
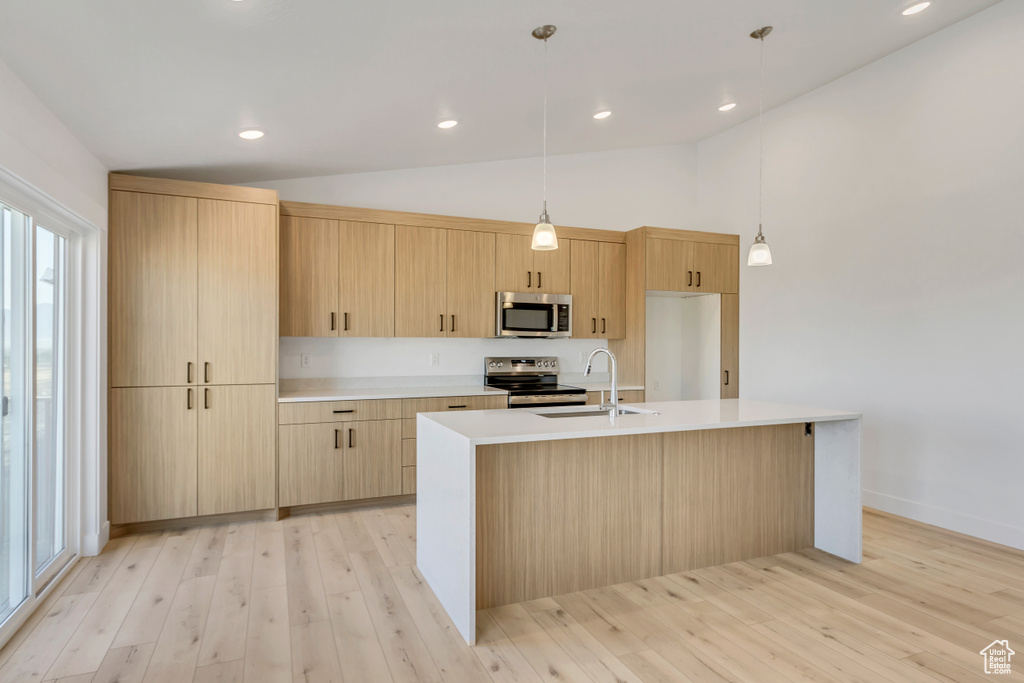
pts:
pixel 304 360
pixel 582 358
pixel 657 384
pixel 435 359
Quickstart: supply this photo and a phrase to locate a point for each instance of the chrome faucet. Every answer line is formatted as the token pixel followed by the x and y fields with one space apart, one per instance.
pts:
pixel 614 405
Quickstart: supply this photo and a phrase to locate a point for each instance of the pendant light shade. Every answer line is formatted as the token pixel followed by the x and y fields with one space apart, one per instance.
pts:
pixel 544 236
pixel 760 254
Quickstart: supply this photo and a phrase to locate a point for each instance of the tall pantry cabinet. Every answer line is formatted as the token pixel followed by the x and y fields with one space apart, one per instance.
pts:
pixel 192 311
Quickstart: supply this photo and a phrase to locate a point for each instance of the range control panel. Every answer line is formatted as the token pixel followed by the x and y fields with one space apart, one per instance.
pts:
pixel 543 365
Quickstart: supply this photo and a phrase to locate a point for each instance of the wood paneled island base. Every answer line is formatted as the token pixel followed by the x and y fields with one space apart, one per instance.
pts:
pixel 556 517
pixel 516 506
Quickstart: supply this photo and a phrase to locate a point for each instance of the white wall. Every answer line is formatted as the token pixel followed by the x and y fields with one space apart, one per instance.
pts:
pixel 330 358
pixel 618 190
pixel 684 351
pixel 51 174
pixel 893 209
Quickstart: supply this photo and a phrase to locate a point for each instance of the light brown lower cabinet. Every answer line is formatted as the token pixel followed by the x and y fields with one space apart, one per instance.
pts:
pixel 730 380
pixel 337 461
pixel 153 439
pixel 236 448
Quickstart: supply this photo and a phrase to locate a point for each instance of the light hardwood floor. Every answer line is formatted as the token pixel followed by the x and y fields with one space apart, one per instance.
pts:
pixel 336 597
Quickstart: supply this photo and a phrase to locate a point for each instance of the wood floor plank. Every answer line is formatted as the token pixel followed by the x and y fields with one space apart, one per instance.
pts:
pixel 222 672
pixel 23 633
pixel 607 630
pixel 332 555
pixel 97 571
pixel 307 601
pixel 548 660
pixel 314 656
pixel 407 655
pixel 942 670
pixel 359 650
pixel 36 654
pixel 595 659
pixel 446 645
pixel 390 547
pixel 268 566
pixel 499 655
pixel 125 664
pixel 177 649
pixel 268 652
pixel 225 637
pixel 146 617
pixel 92 639
pixel 357 538
pixel 403 519
pixel 207 551
pixel 653 668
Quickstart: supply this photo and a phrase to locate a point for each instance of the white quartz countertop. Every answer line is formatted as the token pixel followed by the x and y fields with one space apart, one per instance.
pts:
pixel 515 426
pixel 354 394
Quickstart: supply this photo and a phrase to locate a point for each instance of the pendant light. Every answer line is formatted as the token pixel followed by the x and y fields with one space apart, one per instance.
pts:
pixel 544 237
pixel 760 254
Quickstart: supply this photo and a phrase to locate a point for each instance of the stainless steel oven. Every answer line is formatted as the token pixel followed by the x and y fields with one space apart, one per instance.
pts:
pixel 529 314
pixel 531 382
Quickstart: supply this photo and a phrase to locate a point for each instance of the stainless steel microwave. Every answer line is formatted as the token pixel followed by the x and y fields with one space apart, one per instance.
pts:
pixel 529 314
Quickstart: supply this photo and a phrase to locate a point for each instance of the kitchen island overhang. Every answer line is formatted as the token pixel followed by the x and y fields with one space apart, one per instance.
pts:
pixel 626 494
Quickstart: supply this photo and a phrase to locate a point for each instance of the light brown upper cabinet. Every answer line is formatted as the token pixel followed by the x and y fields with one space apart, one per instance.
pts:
pixel 730 380
pixel 309 277
pixel 676 265
pixel 717 268
pixel 598 289
pixel 367 294
pixel 522 269
pixel 237 291
pixel 471 303
pixel 421 294
pixel 153 290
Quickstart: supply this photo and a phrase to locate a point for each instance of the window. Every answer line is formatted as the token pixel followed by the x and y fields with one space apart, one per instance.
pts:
pixel 34 460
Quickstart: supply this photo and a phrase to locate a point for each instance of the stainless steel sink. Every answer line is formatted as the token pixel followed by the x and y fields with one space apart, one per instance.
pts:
pixel 598 412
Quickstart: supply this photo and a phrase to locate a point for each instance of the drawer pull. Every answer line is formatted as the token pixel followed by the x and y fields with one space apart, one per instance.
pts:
pixel 456 407
pixel 351 441
pixel 339 412
pixel 726 378
pixel 593 325
pixel 698 278
pixel 332 321
pixel 336 438
pixel 189 398
pixel 689 283
pixel 538 279
pixel 346 322
pixel 206 399
pixel 442 323
pixel 189 373
pixel 206 373
pixel 604 326
pixel 529 279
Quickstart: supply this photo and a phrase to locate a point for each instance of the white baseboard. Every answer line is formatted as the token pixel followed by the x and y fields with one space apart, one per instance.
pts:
pixel 93 544
pixel 997 532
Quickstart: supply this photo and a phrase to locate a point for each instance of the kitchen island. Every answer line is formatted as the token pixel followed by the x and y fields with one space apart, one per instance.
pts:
pixel 513 505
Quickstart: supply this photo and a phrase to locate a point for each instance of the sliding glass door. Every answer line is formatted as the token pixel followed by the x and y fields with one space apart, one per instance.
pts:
pixel 33 456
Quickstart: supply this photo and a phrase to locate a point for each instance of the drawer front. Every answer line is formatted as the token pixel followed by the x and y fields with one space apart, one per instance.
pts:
pixel 312 412
pixel 412 406
pixel 408 480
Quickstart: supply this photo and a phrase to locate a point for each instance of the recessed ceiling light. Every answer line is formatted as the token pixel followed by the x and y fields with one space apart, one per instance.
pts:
pixel 914 9
pixel 727 107
pixel 251 134
pixel 602 115
pixel 450 123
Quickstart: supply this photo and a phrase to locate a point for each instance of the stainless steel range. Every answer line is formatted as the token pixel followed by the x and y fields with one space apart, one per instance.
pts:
pixel 531 382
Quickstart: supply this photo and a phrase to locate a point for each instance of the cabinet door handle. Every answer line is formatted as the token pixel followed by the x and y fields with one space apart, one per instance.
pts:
pixel 604 326
pixel 346 322
pixel 538 279
pixel 689 283
pixel 206 399
pixel 351 441
pixel 726 378
pixel 336 438
pixel 339 412
pixel 333 325
pixel 698 278
pixel 190 398
pixel 456 407
pixel 442 322
pixel 529 279
pixel 593 326
pixel 189 373
pixel 453 324
pixel 206 373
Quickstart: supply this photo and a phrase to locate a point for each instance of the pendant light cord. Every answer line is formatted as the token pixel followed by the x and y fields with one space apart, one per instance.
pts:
pixel 760 135
pixel 545 146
